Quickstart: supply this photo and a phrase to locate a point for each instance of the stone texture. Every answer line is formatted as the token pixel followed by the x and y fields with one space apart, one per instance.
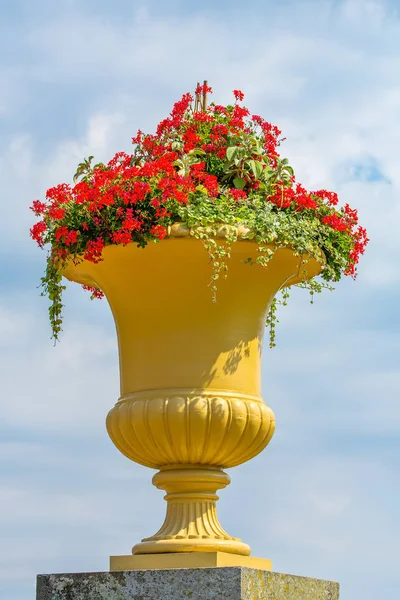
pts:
pixel 227 583
pixel 267 585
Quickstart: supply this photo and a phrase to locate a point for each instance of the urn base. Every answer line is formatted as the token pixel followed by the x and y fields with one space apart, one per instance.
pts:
pixel 191 523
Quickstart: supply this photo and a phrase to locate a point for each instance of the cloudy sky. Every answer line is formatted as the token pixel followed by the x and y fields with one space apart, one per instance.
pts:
pixel 79 77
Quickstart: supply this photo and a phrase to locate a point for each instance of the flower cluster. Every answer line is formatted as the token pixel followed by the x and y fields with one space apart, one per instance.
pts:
pixel 203 167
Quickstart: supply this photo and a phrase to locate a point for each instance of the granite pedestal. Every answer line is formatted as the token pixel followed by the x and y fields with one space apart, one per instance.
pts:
pixel 221 583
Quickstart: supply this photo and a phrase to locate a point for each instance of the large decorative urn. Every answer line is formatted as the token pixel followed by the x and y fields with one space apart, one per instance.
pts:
pixel 190 403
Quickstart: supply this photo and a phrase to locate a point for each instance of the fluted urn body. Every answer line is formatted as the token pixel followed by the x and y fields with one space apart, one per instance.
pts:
pixel 190 374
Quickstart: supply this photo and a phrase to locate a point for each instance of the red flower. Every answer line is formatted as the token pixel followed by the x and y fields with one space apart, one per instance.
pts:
pixel 121 237
pixel 94 250
pixel 330 197
pixel 158 231
pixel 138 137
pixel 202 117
pixel 336 222
pixel 220 129
pixel 38 207
pixel 96 293
pixel 239 112
pixel 219 109
pixel 68 237
pixel 71 237
pixel 239 96
pixel 197 169
pixel 181 196
pixel 131 224
pixel 61 233
pixel 283 197
pixel 56 214
pixel 162 212
pixel 203 89
pixel 37 232
pixel 191 139
pixel 238 194
pixel 211 184
pixel 257 119
pixel 351 214
pixel 304 199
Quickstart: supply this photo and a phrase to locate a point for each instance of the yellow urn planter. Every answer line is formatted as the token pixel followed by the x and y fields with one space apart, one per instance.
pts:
pixel 190 372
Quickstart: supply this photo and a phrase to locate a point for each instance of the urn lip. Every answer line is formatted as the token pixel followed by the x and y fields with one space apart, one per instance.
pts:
pixel 312 264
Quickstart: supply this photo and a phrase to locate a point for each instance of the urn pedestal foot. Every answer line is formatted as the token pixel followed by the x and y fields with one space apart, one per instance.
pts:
pixel 191 523
pixel 186 560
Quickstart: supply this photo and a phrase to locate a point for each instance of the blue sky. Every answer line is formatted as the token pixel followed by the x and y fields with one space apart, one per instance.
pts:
pixel 79 78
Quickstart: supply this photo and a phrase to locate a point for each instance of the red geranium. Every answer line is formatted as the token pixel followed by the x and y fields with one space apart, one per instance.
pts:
pixel 216 162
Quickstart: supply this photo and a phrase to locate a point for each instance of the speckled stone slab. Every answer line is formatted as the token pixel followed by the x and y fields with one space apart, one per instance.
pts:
pixel 222 583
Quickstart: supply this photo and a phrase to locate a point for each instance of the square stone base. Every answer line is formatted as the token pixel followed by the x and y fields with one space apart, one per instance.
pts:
pixel 216 583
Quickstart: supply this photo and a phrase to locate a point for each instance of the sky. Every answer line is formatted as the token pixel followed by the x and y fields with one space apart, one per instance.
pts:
pixel 80 77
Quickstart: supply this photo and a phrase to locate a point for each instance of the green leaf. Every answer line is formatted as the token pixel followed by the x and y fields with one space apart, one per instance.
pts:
pixel 178 163
pixel 239 183
pixel 196 151
pixel 256 168
pixel 252 165
pixel 257 145
pixel 231 152
pixel 267 175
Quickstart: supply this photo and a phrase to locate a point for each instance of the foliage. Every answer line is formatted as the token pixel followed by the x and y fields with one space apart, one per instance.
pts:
pixel 202 168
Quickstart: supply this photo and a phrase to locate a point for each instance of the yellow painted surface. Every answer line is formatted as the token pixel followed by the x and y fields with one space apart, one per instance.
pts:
pixel 177 426
pixel 191 523
pixel 190 373
pixel 170 333
pixel 188 560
